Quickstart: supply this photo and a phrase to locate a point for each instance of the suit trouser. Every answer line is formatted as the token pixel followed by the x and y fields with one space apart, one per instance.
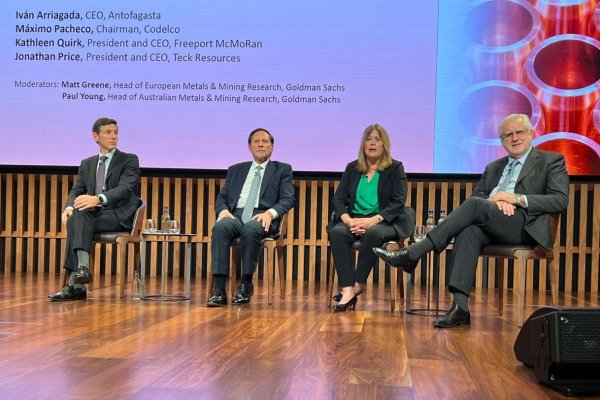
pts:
pixel 341 239
pixel 224 232
pixel 81 226
pixel 474 224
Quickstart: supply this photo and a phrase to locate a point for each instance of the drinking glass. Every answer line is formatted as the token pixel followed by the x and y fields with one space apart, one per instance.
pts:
pixel 174 226
pixel 151 225
pixel 420 233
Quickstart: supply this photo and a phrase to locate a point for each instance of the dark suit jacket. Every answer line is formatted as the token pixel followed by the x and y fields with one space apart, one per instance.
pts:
pixel 391 193
pixel 545 182
pixel 276 190
pixel 121 188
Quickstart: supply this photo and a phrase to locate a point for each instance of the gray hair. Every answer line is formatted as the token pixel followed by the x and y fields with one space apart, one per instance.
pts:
pixel 510 117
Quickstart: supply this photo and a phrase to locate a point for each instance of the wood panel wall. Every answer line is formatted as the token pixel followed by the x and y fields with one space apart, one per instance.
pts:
pixel 32 236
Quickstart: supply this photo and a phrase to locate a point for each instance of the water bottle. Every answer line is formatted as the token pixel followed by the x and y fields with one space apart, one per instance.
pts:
pixel 135 286
pixel 165 220
pixel 442 216
pixel 430 223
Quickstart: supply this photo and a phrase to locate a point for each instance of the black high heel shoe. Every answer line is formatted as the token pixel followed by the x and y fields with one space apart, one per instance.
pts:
pixel 337 297
pixel 350 305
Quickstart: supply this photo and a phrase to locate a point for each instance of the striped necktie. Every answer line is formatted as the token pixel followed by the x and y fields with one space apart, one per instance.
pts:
pixel 100 174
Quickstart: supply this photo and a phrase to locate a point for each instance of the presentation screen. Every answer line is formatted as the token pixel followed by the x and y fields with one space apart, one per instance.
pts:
pixel 187 81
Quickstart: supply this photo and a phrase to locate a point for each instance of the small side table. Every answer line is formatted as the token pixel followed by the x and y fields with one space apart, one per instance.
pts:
pixel 429 309
pixel 165 238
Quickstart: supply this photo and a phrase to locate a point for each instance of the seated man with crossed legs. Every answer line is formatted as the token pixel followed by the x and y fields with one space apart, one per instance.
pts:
pixel 510 205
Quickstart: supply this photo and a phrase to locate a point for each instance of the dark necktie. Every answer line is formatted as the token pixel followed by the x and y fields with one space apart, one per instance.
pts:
pixel 511 170
pixel 252 196
pixel 100 174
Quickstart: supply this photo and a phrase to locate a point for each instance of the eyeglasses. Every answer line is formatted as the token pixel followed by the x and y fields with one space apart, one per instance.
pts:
pixel 518 134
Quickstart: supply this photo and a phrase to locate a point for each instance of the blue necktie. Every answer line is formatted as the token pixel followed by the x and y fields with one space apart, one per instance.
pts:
pixel 511 169
pixel 252 196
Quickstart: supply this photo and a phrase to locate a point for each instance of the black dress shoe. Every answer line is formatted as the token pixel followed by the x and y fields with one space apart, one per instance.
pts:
pixel 218 298
pixel 68 293
pixel 454 317
pixel 83 276
pixel 350 305
pixel 397 259
pixel 243 294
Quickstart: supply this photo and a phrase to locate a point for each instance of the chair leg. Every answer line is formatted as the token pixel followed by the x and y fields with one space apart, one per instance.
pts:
pixel 235 254
pixel 554 272
pixel 393 279
pixel 500 272
pixel 65 276
pixel 521 262
pixel 400 284
pixel 211 280
pixel 92 268
pixel 270 250
pixel 330 283
pixel 282 282
pixel 121 265
pixel 393 287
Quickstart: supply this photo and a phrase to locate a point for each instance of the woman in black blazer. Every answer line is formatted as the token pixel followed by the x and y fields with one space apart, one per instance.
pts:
pixel 368 205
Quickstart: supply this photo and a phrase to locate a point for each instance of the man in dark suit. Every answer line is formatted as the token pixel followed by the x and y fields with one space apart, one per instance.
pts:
pixel 510 205
pixel 104 198
pixel 255 196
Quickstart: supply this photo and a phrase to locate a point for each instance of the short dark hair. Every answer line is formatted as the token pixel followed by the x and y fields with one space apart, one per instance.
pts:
pixel 100 122
pixel 263 130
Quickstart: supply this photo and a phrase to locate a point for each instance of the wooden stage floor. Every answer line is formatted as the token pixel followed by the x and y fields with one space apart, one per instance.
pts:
pixel 109 348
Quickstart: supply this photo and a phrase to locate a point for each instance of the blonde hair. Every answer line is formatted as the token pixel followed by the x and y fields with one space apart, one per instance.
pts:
pixel 386 158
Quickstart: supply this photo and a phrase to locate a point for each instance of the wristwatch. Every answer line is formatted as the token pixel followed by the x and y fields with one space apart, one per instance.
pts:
pixel 101 202
pixel 520 200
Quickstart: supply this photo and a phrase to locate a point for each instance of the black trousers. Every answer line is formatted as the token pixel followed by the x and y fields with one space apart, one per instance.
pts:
pixel 341 239
pixel 475 223
pixel 81 227
pixel 224 232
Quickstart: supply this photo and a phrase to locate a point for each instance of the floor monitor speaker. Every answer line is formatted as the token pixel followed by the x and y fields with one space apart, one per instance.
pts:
pixel 563 347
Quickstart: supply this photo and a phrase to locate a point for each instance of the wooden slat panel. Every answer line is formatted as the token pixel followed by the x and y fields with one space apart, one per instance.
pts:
pixel 301 210
pixel 8 255
pixel 3 200
pixel 43 210
pixel 325 203
pixel 41 251
pixel 20 207
pixel 582 237
pixel 569 244
pixel 9 204
pixel 32 241
pixel 595 240
pixel 33 203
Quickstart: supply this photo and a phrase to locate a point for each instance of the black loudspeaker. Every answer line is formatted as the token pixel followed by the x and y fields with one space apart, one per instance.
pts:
pixel 563 347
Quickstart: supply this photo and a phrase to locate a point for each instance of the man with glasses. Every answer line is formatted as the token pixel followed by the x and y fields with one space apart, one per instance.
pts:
pixel 510 205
